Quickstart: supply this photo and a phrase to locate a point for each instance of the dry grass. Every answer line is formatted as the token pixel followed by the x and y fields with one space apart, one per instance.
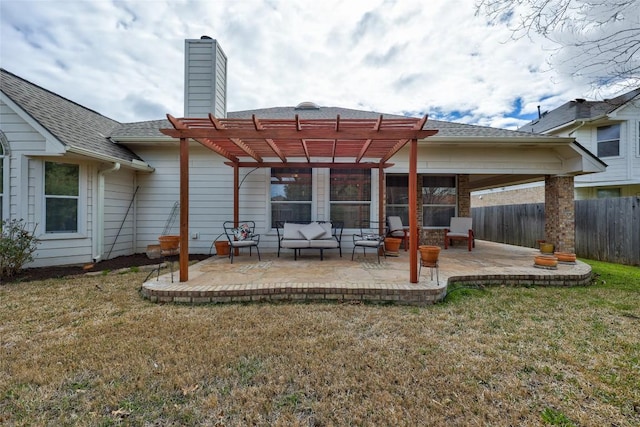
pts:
pixel 90 351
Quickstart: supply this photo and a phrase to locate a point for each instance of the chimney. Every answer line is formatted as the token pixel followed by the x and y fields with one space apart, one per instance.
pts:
pixel 205 78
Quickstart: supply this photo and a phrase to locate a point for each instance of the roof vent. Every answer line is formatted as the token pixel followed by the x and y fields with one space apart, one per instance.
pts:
pixel 580 100
pixel 307 105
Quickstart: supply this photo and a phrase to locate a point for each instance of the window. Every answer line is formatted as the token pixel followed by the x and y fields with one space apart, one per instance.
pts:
pixel 439 198
pixel 290 195
pixel 606 193
pixel 350 196
pixel 609 141
pixel 61 189
pixel 397 195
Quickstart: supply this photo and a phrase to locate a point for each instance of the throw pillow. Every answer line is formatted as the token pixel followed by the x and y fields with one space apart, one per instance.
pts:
pixel 242 232
pixel 312 231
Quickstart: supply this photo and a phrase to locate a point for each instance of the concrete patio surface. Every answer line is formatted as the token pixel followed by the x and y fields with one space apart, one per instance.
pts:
pixel 216 280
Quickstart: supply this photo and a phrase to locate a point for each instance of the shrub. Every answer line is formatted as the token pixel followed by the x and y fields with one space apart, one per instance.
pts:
pixel 17 246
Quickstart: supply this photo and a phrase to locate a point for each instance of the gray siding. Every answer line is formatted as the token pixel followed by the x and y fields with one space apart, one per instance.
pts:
pixel 29 149
pixel 119 220
pixel 211 196
pixel 205 79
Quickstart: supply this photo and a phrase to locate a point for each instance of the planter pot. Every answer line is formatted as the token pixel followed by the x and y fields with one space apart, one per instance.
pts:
pixel 429 255
pixel 546 248
pixel 565 257
pixel 168 243
pixel 545 261
pixel 222 248
pixel 392 246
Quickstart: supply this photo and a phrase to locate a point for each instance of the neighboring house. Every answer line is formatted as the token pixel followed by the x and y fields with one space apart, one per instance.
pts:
pixel 610 129
pixel 97 188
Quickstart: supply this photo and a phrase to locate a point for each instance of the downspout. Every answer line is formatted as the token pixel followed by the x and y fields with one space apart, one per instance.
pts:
pixel 581 123
pixel 98 247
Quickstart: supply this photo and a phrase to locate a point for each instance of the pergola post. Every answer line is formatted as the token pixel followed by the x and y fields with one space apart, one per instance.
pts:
pixel 380 198
pixel 236 195
pixel 413 211
pixel 184 209
pixel 236 200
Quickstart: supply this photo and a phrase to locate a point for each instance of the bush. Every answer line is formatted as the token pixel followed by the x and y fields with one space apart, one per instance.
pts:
pixel 17 246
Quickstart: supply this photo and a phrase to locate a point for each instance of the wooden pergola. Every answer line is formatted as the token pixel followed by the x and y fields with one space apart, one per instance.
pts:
pixel 297 143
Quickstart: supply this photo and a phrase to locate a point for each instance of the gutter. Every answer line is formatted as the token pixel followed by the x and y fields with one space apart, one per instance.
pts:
pixel 133 164
pixel 580 124
pixel 539 138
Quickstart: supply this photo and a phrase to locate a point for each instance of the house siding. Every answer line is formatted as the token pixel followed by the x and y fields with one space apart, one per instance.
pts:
pixel 621 170
pixel 205 79
pixel 210 194
pixel 119 220
pixel 28 151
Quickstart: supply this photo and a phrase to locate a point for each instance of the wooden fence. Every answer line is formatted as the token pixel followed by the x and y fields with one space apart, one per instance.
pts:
pixel 606 229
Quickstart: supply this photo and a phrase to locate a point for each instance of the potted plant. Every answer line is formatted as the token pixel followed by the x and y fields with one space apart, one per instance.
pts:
pixel 565 257
pixel 545 261
pixel 546 248
pixel 222 247
pixel 392 246
pixel 429 254
pixel 169 242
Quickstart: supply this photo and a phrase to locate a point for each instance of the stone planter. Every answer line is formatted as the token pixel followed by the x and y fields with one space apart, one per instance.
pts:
pixel 392 246
pixel 169 243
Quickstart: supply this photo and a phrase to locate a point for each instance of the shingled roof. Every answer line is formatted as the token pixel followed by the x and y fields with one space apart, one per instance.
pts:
pixel 150 129
pixel 72 124
pixel 578 109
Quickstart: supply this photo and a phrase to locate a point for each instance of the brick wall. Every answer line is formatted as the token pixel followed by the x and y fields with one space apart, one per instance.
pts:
pixel 560 213
pixel 464 196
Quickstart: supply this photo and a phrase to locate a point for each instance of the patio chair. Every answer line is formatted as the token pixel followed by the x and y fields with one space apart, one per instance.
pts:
pixel 242 236
pixel 460 229
pixel 397 230
pixel 369 238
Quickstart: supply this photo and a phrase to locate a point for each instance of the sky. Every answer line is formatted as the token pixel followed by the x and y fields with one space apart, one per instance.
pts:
pixel 125 59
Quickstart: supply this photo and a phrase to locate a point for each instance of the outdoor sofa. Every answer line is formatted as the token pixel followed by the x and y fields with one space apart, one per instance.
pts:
pixel 318 235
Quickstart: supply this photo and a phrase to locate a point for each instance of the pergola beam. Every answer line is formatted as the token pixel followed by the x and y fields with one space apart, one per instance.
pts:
pixel 356 134
pixel 331 165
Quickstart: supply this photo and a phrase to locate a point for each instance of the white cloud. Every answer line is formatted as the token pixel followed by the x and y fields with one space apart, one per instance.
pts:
pixel 125 59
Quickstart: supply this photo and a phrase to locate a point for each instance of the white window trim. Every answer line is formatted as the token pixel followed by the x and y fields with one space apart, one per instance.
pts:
pixel 82 203
pixel 638 139
pixel 314 197
pixel 620 141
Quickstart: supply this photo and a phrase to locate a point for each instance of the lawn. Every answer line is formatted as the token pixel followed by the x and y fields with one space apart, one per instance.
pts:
pixel 91 351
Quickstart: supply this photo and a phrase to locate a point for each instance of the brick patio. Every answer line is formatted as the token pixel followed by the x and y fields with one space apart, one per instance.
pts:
pixel 215 280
